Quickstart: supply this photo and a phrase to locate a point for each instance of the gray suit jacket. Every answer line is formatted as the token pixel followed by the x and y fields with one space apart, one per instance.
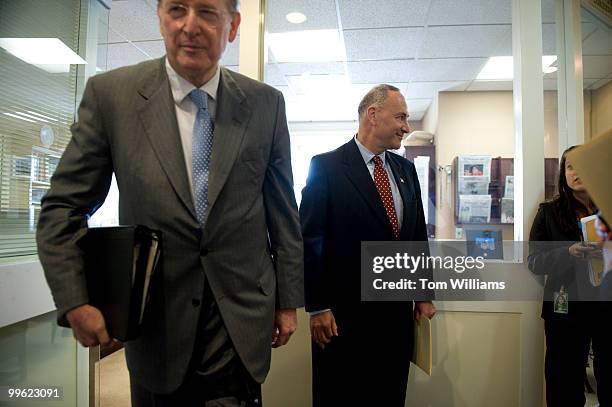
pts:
pixel 250 249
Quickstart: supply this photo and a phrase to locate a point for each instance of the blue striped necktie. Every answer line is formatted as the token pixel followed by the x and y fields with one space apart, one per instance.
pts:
pixel 203 129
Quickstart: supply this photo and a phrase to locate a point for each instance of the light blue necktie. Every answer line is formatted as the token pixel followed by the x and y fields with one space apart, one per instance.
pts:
pixel 203 129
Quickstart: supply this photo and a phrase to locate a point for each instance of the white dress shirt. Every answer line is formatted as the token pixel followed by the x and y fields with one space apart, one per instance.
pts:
pixel 186 110
pixel 367 156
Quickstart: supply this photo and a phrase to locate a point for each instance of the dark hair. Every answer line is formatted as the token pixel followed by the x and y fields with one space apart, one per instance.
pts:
pixel 565 205
pixel 232 5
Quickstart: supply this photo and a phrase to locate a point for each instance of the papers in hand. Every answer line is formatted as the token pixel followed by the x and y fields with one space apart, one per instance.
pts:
pixel 422 353
pixel 119 264
pixel 589 235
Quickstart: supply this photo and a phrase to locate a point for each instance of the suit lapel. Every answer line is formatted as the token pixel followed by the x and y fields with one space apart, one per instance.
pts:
pixel 360 177
pixel 158 117
pixel 233 114
pixel 406 189
pixel 403 182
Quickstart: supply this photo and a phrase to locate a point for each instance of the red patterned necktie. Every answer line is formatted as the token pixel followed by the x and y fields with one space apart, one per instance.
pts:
pixel 381 180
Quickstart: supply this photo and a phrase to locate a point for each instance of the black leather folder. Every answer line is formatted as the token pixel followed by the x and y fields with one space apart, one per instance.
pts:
pixel 119 264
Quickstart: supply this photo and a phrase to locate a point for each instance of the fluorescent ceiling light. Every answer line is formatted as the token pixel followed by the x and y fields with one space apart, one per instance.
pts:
pixel 307 46
pixel 296 17
pixel 502 68
pixel 549 63
pixel 316 85
pixel 50 54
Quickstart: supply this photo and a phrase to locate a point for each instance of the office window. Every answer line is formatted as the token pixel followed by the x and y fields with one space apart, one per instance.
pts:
pixel 453 63
pixel 37 106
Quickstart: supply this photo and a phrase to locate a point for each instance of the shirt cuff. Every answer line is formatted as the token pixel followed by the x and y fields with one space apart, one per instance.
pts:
pixel 313 313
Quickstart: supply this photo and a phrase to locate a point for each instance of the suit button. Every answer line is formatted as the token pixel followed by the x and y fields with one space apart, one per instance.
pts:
pixel 195 302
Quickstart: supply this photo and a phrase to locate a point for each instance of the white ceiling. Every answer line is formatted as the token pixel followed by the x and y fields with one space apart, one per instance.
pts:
pixel 421 46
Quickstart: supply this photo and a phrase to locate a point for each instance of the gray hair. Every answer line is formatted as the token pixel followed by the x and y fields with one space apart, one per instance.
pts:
pixel 232 5
pixel 376 96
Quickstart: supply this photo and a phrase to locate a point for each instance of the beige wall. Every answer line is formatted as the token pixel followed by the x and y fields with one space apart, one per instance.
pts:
pixel 601 110
pixel 430 119
pixel 469 123
pixel 475 361
pixel 289 382
pixel 478 123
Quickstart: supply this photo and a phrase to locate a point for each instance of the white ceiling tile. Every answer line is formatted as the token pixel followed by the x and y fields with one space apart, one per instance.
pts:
pixel 390 43
pixel 155 49
pixel 416 116
pixel 467 41
pixel 598 83
pixel 449 12
pixel 360 89
pixel 430 89
pixel 133 20
pixel 316 85
pixel 390 13
pixel 489 85
pixel 599 42
pixel 273 76
pixel 380 71
pixel 314 68
pixel 124 54
pixel 320 15
pixel 417 105
pixel 454 69
pixel 549 39
pixel 596 67
pixel 548 11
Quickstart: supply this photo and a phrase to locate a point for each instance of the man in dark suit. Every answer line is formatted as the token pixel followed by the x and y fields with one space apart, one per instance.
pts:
pixel 202 154
pixel 360 192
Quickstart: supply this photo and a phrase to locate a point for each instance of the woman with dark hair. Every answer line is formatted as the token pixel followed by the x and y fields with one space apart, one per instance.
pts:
pixel 570 321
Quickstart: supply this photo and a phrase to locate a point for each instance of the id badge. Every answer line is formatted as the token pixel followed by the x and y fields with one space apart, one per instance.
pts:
pixel 560 301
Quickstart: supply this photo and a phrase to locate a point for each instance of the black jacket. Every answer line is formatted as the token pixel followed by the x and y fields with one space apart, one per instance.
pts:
pixel 341 208
pixel 549 255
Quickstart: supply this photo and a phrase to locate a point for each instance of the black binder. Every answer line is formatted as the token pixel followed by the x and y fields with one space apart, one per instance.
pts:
pixel 119 264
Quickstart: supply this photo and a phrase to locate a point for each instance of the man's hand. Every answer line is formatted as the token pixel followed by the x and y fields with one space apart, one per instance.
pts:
pixel 285 324
pixel 88 325
pixel 323 327
pixel 424 308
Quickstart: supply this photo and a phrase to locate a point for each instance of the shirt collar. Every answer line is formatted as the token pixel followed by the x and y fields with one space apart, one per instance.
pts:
pixel 181 87
pixel 367 154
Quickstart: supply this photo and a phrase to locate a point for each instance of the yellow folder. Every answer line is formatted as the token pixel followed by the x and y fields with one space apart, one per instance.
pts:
pixel 589 235
pixel 422 353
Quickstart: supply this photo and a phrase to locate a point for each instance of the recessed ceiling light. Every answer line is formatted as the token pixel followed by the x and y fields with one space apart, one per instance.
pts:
pixel 502 68
pixel 296 17
pixel 50 54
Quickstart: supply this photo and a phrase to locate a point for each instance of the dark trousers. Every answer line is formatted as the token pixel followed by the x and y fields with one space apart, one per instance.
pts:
pixel 231 389
pixel 567 346
pixel 215 378
pixel 368 363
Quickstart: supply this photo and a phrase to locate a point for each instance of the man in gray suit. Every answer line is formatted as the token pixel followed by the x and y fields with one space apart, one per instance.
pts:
pixel 202 154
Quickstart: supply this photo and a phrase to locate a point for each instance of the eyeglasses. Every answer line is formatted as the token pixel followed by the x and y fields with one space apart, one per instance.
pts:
pixel 209 16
